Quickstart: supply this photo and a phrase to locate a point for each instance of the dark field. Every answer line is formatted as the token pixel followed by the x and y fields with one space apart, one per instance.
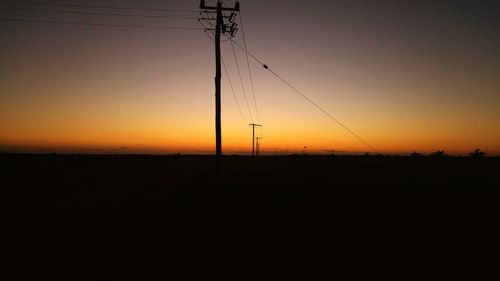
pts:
pixel 278 205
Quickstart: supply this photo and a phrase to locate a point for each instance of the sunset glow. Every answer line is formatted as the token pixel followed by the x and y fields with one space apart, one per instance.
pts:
pixel 398 75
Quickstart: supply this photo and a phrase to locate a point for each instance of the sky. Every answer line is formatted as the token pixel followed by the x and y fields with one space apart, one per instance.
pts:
pixel 402 75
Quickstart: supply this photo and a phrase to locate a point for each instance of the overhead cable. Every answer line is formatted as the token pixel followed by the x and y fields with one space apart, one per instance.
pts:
pixel 232 90
pixel 94 13
pixel 305 97
pixel 241 80
pixel 249 70
pixel 101 24
pixel 95 6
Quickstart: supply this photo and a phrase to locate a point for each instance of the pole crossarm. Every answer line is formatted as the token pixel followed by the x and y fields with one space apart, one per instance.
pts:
pixel 235 9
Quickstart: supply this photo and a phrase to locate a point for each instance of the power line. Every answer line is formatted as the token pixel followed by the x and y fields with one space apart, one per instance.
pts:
pixel 306 98
pixel 101 24
pixel 232 90
pixel 93 13
pixel 96 7
pixel 246 51
pixel 320 108
pixel 249 70
pixel 241 80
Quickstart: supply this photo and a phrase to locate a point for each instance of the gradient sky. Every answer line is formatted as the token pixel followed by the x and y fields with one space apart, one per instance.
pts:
pixel 403 75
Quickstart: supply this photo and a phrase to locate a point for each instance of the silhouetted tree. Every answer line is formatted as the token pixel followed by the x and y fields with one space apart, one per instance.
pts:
pixel 415 154
pixel 438 153
pixel 477 153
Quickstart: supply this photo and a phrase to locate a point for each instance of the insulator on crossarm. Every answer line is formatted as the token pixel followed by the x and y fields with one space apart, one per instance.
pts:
pixel 233 32
pixel 232 17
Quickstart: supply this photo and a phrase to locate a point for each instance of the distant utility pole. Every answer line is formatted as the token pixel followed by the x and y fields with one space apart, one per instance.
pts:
pixel 253 136
pixel 230 28
pixel 258 146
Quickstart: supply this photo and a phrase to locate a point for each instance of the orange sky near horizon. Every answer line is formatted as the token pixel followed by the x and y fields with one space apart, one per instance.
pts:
pixel 413 79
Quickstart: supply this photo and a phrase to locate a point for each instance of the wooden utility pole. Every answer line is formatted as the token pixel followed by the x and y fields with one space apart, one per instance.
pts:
pixel 230 28
pixel 253 137
pixel 258 146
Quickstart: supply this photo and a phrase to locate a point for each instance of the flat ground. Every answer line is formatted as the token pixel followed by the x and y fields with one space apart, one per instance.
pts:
pixel 278 205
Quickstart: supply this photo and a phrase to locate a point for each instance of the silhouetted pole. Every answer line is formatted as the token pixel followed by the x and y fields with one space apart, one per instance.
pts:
pixel 258 145
pixel 253 137
pixel 218 128
pixel 219 26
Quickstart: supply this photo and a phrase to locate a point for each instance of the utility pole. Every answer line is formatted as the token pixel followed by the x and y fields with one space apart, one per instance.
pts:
pixel 258 146
pixel 220 26
pixel 253 137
